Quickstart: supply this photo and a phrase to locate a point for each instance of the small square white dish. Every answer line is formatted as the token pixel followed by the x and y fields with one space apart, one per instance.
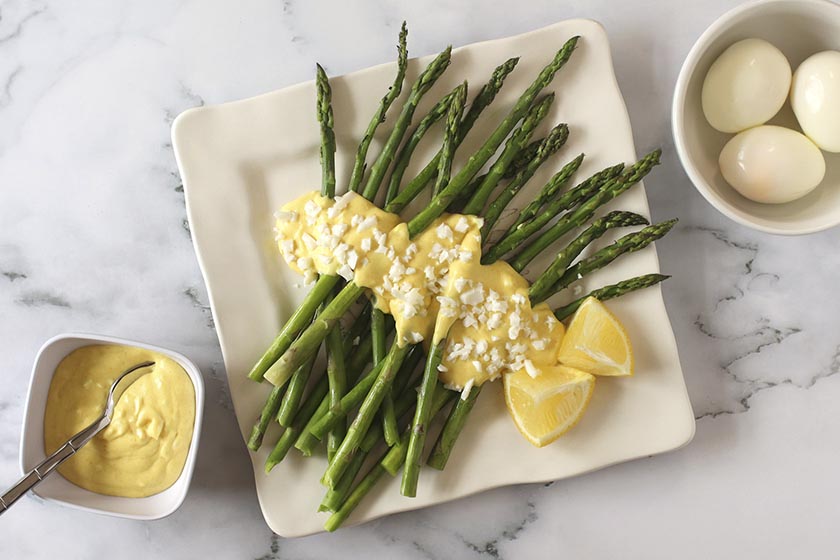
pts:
pixel 58 489
pixel 798 28
pixel 241 161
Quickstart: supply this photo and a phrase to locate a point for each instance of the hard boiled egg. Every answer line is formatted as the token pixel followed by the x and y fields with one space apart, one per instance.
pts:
pixel 815 98
pixel 772 164
pixel 746 86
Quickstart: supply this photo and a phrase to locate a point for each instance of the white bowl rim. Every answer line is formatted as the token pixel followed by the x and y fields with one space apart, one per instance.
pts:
pixel 185 477
pixel 678 125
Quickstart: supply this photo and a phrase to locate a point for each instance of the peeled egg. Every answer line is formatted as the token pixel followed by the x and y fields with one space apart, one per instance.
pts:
pixel 772 164
pixel 746 86
pixel 815 98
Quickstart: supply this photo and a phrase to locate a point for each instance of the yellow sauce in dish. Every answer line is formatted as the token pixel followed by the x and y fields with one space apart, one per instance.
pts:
pixel 144 449
pixel 434 285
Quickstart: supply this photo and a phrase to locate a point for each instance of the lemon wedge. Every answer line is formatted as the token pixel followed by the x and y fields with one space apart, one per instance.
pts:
pixel 548 405
pixel 596 342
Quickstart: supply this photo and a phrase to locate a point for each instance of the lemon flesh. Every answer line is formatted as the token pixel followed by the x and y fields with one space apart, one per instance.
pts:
pixel 596 342
pixel 548 405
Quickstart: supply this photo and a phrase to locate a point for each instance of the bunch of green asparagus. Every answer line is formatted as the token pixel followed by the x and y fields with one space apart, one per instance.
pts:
pixel 370 405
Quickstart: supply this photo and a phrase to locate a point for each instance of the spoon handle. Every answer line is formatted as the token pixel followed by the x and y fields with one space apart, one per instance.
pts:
pixel 35 476
pixel 48 465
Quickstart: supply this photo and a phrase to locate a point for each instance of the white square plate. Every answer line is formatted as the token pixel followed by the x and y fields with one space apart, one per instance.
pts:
pixel 241 161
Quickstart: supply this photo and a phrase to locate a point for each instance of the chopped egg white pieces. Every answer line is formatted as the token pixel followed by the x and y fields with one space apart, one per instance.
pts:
pixel 433 285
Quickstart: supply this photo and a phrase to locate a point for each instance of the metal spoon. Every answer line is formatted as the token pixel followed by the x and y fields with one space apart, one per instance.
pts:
pixel 48 465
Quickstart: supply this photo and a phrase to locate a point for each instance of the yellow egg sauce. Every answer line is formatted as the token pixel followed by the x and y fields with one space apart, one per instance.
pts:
pixel 144 449
pixel 434 285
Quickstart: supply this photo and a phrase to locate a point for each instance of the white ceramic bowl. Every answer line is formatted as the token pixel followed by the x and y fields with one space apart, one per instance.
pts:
pixel 56 488
pixel 799 28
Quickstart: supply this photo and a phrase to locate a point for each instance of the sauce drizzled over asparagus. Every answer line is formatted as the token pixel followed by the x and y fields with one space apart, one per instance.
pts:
pixel 434 284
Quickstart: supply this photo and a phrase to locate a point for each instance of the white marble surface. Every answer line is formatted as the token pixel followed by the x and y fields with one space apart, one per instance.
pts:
pixel 93 238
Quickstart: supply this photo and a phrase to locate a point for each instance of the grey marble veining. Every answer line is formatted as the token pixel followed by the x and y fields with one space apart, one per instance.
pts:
pixel 93 237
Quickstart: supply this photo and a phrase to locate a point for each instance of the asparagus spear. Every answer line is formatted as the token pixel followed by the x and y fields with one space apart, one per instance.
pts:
pixel 485 96
pixel 306 343
pixel 452 428
pixel 309 340
pixel 357 356
pixel 616 219
pixel 404 158
pixel 423 84
pixel 422 417
pixel 326 122
pixel 391 462
pixel 297 322
pixel 529 152
pixel 357 326
pixel 336 412
pixel 291 405
pixel 450 138
pixel 379 117
pixel 334 497
pixel 588 208
pixel 294 393
pixel 630 243
pixel 337 382
pixel 551 144
pixel 289 436
pixel 306 442
pixel 548 192
pixel 566 201
pixel 396 456
pixel 363 419
pixel 267 413
pixel 389 420
pixel 324 422
pixel 611 291
pixel 354 498
pixel 515 144
pixel 522 159
pixel 390 429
